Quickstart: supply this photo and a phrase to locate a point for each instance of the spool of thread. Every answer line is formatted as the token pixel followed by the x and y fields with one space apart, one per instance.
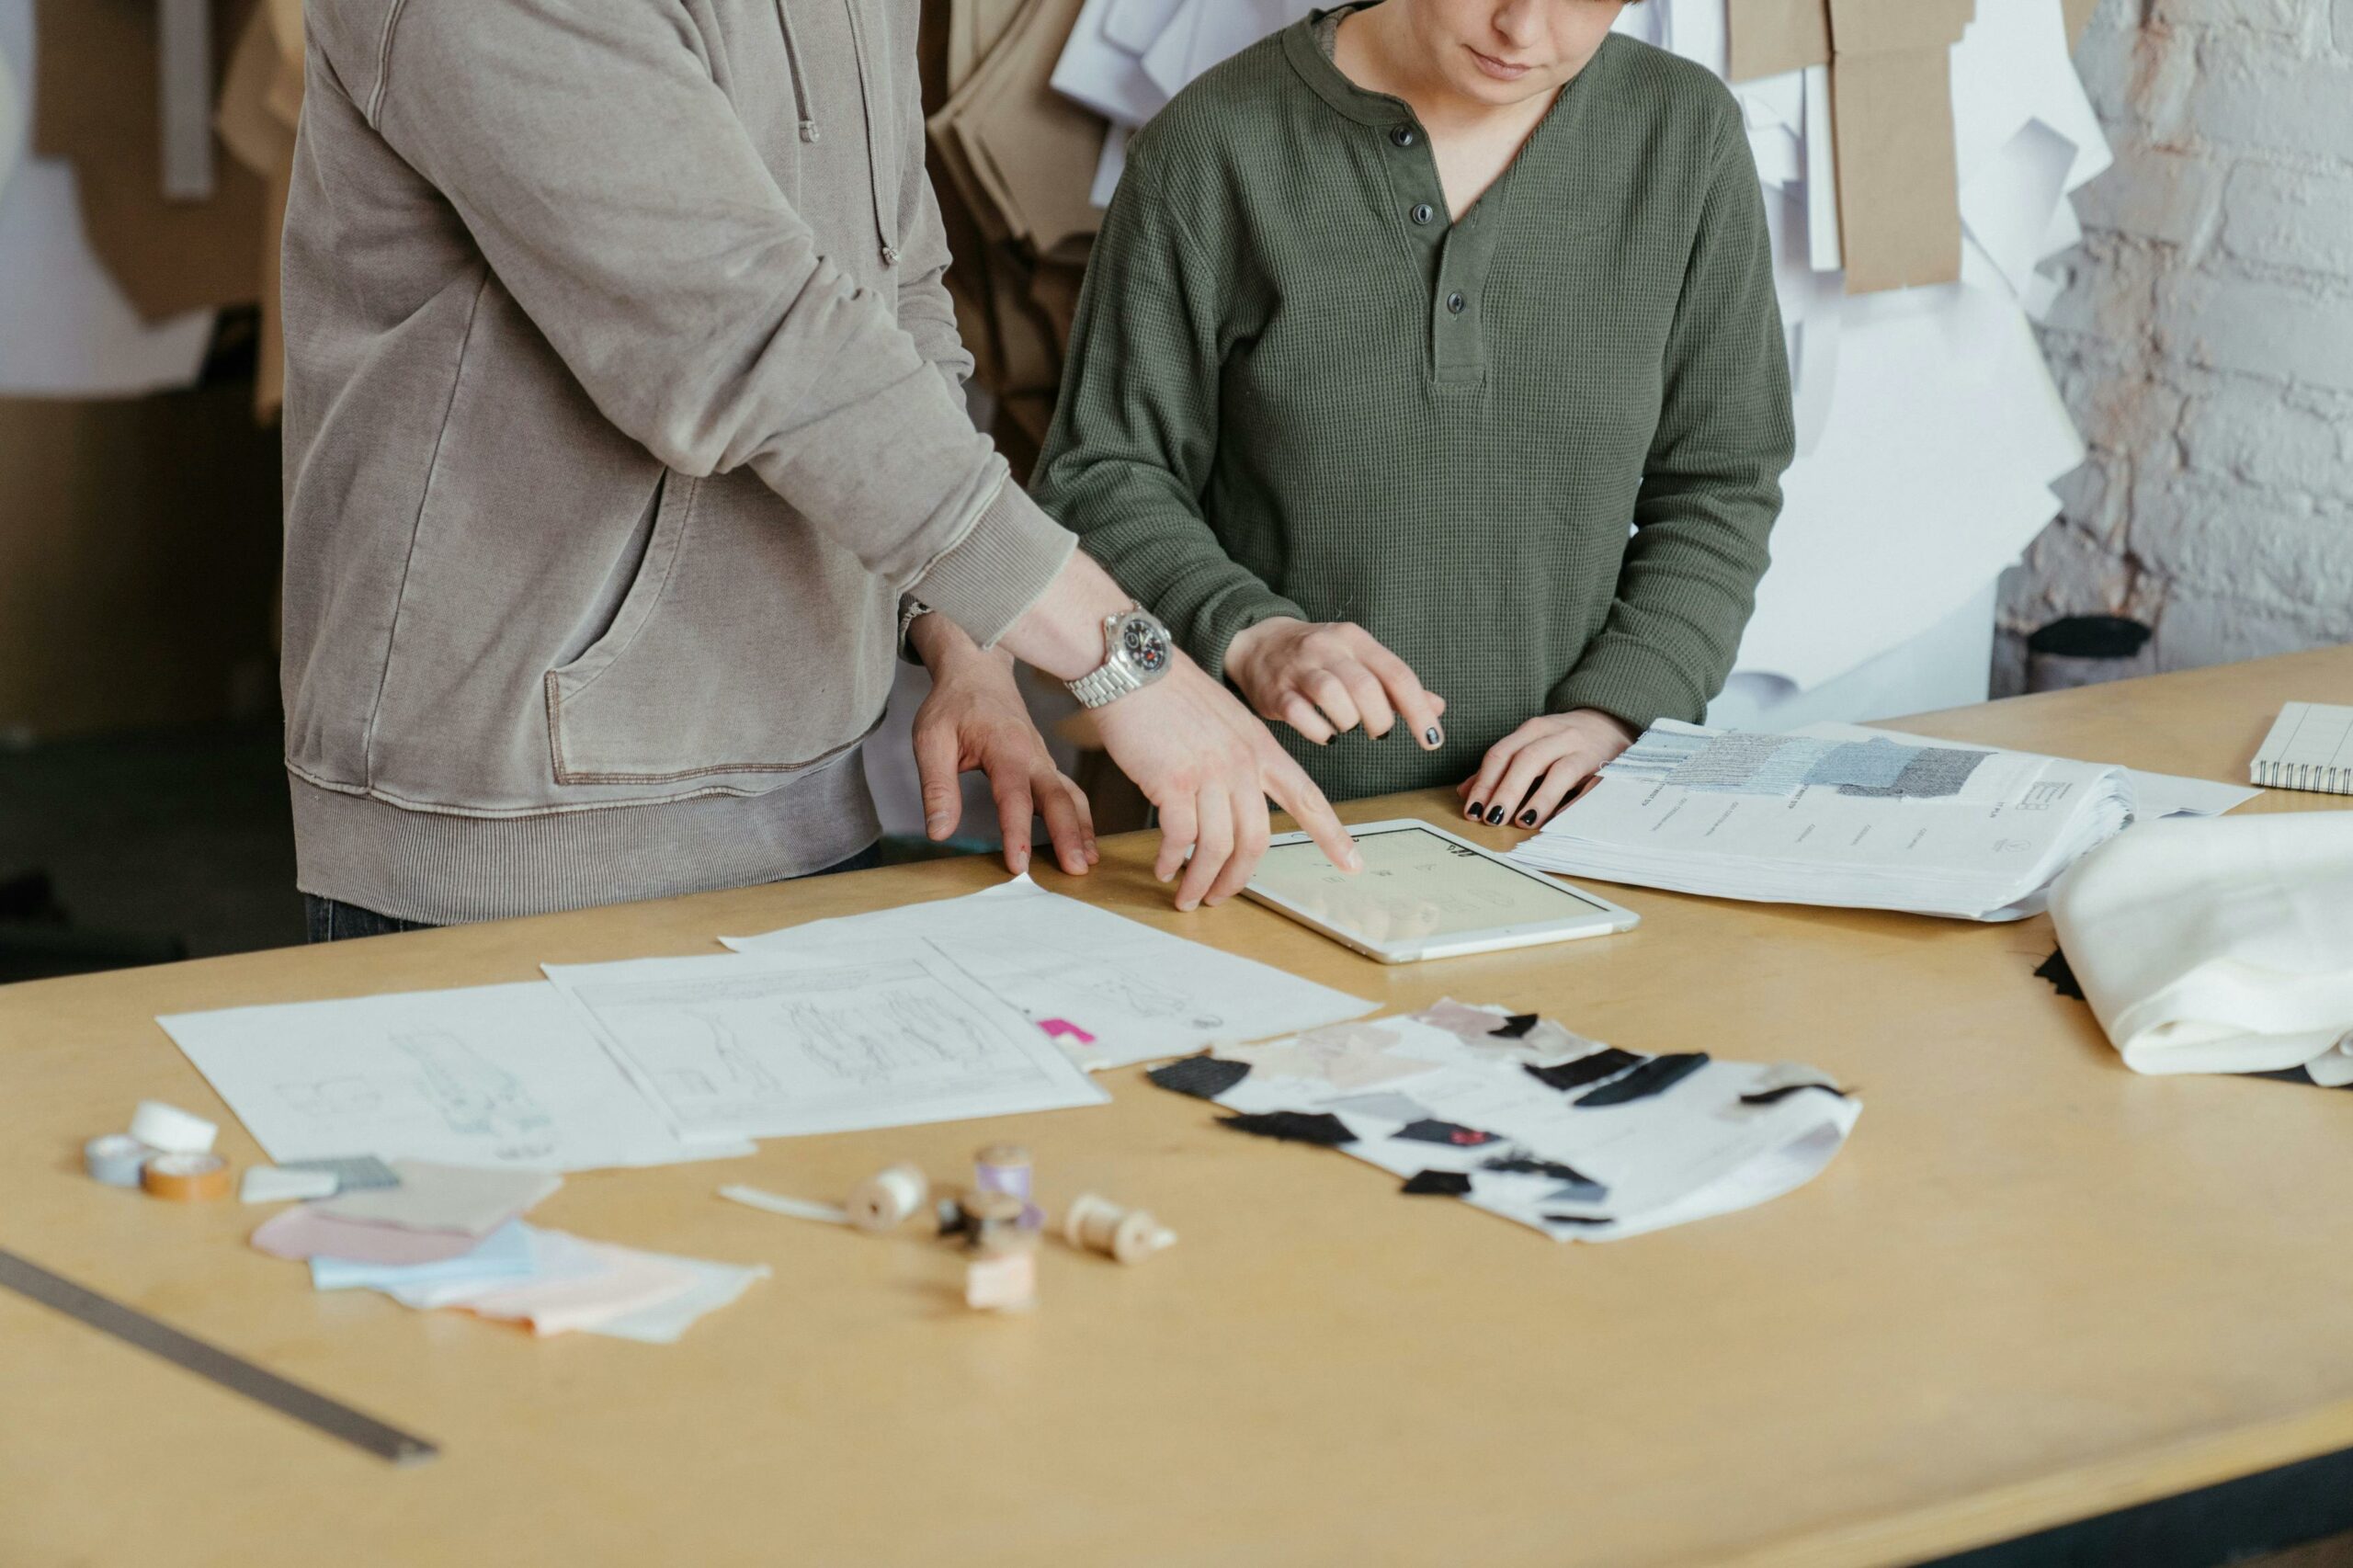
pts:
pixel 884 1200
pixel 1006 1167
pixel 1094 1224
pixel 185 1178
pixel 115 1159
pixel 991 1219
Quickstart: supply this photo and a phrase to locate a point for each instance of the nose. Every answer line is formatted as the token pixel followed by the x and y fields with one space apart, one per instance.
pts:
pixel 1520 22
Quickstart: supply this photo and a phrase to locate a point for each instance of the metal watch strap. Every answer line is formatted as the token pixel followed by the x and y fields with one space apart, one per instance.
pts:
pixel 1110 680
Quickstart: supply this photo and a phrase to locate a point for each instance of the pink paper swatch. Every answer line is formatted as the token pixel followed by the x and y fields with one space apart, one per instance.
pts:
pixel 304 1234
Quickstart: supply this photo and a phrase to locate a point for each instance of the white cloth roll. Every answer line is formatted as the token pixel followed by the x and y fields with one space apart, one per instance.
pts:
pixel 2222 946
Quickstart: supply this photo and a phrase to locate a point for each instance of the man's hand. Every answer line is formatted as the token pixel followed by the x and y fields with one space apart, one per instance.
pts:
pixel 1325 677
pixel 1529 773
pixel 1200 757
pixel 1195 751
pixel 975 718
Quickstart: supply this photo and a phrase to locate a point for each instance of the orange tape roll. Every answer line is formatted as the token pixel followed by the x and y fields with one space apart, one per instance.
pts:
pixel 185 1178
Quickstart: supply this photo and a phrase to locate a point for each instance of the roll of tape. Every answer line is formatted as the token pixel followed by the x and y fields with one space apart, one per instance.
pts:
pixel 185 1178
pixel 115 1159
pixel 171 1129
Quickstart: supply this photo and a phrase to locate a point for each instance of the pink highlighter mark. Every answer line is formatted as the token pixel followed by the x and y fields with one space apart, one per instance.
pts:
pixel 1065 1029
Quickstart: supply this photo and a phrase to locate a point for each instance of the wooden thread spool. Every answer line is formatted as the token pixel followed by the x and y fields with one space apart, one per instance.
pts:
pixel 1094 1224
pixel 884 1200
pixel 1006 1167
pixel 991 1220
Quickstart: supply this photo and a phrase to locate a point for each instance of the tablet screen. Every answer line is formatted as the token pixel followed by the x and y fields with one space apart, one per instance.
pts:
pixel 1417 883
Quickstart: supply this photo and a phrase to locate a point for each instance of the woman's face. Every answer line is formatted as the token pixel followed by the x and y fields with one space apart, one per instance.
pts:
pixel 1506 52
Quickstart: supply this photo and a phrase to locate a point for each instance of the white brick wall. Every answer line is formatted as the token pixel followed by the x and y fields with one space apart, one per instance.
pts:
pixel 2205 339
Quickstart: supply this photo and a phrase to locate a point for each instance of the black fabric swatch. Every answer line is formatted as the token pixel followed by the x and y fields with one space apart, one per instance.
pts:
pixel 1656 1076
pixel 1428 1130
pixel 1204 1076
pixel 1294 1127
pixel 1514 1027
pixel 1438 1184
pixel 1586 1069
pixel 2061 975
pixel 1526 1165
pixel 1775 1097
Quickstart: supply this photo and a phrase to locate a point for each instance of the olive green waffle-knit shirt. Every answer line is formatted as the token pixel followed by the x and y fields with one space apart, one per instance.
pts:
pixel 1295 387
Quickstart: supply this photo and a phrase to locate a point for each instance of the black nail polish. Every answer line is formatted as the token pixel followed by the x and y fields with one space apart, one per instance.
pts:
pixel 1431 735
pixel 1496 817
pixel 1527 819
pixel 1476 811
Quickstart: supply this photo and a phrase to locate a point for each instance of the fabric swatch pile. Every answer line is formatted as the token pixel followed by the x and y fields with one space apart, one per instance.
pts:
pixel 453 1236
pixel 1516 1115
pixel 1968 833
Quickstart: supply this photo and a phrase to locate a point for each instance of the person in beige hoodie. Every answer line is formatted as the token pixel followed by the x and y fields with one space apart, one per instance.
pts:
pixel 625 448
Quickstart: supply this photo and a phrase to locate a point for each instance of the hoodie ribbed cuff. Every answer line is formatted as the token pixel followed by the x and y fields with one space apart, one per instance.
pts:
pixel 987 580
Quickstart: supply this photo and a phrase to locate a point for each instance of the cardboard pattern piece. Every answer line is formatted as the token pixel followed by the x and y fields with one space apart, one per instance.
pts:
pixel 1890 88
pixel 97 104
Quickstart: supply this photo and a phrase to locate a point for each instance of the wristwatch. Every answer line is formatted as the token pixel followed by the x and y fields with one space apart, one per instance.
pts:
pixel 1136 652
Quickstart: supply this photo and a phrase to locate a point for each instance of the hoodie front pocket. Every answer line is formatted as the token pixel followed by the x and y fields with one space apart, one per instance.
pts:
pixel 714 664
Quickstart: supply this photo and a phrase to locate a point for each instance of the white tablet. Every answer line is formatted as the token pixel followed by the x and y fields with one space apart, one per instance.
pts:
pixel 1424 894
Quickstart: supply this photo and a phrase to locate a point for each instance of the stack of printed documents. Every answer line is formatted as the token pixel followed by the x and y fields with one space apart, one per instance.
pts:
pixel 1516 1115
pixel 1965 832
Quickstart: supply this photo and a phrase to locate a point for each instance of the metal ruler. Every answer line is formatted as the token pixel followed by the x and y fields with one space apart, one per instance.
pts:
pixel 232 1372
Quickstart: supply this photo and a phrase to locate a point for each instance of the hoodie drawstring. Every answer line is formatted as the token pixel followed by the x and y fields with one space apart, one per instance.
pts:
pixel 883 230
pixel 801 103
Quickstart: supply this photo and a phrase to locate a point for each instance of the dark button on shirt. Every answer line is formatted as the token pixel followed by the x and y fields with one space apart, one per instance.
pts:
pixel 1423 212
pixel 1454 304
pixel 1403 135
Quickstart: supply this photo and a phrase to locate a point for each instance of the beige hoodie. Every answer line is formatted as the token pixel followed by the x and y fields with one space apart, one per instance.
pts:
pixel 621 413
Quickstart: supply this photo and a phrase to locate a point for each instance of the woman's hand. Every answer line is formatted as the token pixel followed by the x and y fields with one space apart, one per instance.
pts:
pixel 975 718
pixel 1530 773
pixel 1326 677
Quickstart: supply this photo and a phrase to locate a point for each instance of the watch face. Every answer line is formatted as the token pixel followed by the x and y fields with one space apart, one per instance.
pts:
pixel 1146 642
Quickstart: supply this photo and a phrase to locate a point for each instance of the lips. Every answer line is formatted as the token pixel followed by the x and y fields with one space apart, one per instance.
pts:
pixel 1501 69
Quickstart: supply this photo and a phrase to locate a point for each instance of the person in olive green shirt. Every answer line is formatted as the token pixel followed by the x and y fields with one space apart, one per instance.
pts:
pixel 1427 380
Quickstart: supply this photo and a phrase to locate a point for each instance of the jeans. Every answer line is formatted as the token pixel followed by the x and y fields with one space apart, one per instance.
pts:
pixel 332 920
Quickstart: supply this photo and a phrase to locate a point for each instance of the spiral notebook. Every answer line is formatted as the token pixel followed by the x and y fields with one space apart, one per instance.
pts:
pixel 2310 747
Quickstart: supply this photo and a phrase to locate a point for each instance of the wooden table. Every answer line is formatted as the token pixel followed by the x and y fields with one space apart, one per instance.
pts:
pixel 2034 1286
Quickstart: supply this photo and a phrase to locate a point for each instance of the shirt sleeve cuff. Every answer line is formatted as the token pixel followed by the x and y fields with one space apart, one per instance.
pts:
pixel 1637 688
pixel 1227 615
pixel 988 579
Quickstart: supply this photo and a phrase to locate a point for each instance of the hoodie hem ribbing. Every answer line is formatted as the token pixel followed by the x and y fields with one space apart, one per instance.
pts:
pixel 445 869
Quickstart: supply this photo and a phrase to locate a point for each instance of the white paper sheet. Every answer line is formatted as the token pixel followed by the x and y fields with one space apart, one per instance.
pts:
pixel 1140 992
pixel 1096 71
pixel 2008 202
pixel 1110 166
pixel 777 1044
pixel 1932 474
pixel 489 1076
